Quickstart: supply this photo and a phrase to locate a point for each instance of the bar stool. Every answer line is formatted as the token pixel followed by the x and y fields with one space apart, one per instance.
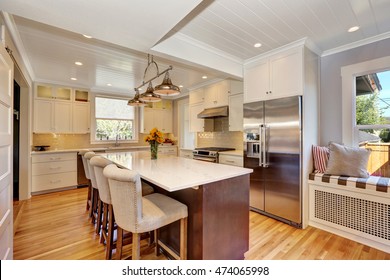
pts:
pixel 86 171
pixel 107 233
pixel 139 214
pixel 108 223
pixel 95 210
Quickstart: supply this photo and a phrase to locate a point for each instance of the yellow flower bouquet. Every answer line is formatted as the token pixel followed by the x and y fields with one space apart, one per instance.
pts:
pixel 154 138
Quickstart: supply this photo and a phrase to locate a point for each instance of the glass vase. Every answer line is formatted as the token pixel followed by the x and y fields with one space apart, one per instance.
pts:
pixel 153 149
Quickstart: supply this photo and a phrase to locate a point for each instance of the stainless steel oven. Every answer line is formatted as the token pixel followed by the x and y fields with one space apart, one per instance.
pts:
pixel 209 154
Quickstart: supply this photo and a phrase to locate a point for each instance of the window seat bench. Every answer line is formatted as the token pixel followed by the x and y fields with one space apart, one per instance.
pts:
pixel 355 208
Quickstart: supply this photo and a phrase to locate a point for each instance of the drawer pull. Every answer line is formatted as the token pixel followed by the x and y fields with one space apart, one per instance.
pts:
pixel 55 158
pixel 58 167
pixel 231 161
pixel 55 181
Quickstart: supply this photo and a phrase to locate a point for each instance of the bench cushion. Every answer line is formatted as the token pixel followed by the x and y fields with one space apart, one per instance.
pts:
pixel 376 183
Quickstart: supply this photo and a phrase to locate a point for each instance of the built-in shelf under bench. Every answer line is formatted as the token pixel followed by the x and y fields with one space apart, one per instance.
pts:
pixel 355 208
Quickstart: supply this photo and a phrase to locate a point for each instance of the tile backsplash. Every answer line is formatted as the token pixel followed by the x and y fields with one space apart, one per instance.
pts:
pixel 79 141
pixel 227 139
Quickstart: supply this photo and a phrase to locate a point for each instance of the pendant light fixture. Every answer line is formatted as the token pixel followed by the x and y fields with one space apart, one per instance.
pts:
pixel 149 95
pixel 136 101
pixel 167 88
pixel 153 95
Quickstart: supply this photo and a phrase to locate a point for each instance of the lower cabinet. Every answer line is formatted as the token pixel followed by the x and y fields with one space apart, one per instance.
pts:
pixel 186 153
pixel 231 160
pixel 168 150
pixel 52 171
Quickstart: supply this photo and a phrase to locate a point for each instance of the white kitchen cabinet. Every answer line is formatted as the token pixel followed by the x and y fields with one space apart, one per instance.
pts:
pixel 196 96
pixel 279 75
pixel 52 116
pixel 236 112
pixel 196 124
pixel 52 171
pixel 43 116
pixel 186 153
pixel 43 91
pixel 167 150
pixel 236 160
pixel 61 110
pixel 81 118
pixel 159 118
pixel 216 95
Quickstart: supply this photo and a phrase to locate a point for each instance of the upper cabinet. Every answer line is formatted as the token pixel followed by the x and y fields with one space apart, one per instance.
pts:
pixel 217 95
pixel 61 110
pixel 279 75
pixel 159 115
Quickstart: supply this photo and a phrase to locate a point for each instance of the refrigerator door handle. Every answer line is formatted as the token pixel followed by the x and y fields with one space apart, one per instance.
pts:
pixel 260 145
pixel 264 151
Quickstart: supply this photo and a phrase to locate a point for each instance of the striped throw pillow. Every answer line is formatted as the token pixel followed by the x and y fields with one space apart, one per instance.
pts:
pixel 320 158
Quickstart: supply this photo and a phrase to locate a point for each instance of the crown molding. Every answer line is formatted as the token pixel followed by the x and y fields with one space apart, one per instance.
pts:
pixel 356 44
pixel 14 33
pixel 257 58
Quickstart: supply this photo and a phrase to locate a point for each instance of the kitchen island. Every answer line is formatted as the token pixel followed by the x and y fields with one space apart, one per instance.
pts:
pixel 217 197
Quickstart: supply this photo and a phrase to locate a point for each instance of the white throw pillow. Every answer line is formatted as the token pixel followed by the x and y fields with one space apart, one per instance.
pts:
pixel 347 161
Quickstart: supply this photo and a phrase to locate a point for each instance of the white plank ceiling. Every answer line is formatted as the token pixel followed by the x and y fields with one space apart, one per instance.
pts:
pixel 125 31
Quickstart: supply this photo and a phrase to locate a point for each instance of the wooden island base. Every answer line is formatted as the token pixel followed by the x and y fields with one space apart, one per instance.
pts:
pixel 218 220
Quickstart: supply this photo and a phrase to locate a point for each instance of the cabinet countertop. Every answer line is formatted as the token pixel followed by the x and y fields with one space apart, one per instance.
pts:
pixel 175 173
pixel 99 149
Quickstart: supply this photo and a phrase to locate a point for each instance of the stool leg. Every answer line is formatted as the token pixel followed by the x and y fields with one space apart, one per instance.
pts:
pixel 157 248
pixel 103 234
pixel 183 239
pixel 99 215
pixel 89 196
pixel 119 243
pixel 110 232
pixel 93 206
pixel 136 246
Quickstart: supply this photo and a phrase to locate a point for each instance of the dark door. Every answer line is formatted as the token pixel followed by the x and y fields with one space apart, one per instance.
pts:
pixel 16 140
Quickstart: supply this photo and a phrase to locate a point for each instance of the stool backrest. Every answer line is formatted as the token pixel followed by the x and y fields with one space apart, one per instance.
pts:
pixel 98 163
pixel 86 169
pixel 92 177
pixel 126 196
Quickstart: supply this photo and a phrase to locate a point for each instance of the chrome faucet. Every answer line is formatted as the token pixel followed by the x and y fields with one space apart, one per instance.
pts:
pixel 116 141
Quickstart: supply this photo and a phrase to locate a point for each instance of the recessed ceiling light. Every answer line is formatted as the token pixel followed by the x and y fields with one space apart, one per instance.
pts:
pixel 204 77
pixel 109 85
pixel 353 29
pixel 73 79
pixel 87 36
pixel 78 63
pixel 257 45
pixel 180 86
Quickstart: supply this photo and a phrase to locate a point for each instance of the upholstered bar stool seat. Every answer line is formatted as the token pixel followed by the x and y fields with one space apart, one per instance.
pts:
pixel 139 214
pixel 86 172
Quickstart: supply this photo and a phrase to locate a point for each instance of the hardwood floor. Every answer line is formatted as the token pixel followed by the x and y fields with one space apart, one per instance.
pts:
pixel 56 226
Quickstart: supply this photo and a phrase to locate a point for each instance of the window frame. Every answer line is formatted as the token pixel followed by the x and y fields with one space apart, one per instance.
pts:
pixel 348 75
pixel 136 122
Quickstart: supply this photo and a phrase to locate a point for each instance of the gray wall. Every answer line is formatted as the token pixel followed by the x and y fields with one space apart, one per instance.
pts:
pixel 330 94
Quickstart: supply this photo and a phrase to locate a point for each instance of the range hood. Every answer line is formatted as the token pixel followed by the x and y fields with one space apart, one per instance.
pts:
pixel 214 112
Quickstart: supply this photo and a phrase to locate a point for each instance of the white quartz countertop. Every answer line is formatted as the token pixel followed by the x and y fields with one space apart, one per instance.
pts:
pixel 175 173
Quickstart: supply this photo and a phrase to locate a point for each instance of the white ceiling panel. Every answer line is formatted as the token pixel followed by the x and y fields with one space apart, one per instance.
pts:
pixel 209 37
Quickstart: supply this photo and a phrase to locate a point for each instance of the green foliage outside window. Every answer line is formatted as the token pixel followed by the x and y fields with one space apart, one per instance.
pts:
pixel 114 129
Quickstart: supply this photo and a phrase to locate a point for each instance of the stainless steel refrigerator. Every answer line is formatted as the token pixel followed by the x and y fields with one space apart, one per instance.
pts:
pixel 272 148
